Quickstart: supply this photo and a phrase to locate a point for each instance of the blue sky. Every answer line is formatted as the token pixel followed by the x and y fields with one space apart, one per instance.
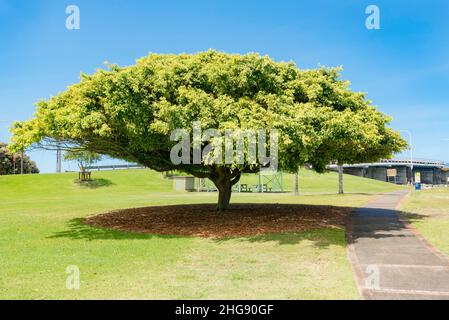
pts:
pixel 404 66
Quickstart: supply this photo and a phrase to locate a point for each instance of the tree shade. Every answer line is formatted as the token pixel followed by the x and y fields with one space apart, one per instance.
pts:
pixel 130 112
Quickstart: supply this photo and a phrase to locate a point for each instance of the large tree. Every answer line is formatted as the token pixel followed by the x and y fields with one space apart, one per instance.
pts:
pixel 130 112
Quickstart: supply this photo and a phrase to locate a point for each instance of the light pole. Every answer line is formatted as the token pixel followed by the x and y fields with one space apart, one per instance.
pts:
pixel 58 158
pixel 411 153
pixel 21 162
pixel 296 191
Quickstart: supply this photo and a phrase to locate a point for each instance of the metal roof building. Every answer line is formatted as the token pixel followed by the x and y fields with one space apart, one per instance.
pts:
pixel 400 171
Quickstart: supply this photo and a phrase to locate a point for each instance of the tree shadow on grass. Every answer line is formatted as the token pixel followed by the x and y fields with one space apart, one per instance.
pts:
pixel 414 217
pixel 320 238
pixel 363 223
pixel 94 184
pixel 376 224
pixel 78 229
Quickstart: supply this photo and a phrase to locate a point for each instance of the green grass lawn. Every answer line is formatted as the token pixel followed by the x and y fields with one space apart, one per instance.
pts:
pixel 428 210
pixel 41 233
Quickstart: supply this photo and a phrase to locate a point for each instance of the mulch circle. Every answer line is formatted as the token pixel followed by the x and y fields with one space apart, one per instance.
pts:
pixel 241 220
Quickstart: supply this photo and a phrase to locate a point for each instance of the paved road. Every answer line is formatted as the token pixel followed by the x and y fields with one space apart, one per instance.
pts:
pixel 391 261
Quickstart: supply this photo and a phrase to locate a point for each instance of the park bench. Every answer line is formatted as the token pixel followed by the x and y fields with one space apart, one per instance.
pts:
pixel 84 175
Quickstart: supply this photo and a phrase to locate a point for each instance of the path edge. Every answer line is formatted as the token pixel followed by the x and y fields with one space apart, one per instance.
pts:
pixel 406 221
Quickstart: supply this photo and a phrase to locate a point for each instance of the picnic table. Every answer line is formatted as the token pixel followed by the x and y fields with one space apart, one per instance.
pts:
pixel 254 188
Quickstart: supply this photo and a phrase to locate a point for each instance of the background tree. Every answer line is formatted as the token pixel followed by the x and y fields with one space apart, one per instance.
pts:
pixel 129 113
pixel 10 163
pixel 84 158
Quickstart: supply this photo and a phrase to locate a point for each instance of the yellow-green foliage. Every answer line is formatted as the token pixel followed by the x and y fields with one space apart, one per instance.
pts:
pixel 129 112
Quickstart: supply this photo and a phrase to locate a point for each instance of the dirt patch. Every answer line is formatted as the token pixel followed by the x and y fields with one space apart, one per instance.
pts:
pixel 240 220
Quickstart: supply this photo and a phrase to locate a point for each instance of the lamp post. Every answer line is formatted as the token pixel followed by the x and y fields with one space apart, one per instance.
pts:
pixel 58 158
pixel 411 153
pixel 296 191
pixel 21 162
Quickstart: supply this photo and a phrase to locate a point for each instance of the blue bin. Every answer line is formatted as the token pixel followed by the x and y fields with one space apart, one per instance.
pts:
pixel 417 186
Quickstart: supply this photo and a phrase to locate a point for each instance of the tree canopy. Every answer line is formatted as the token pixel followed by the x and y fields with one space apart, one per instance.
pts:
pixel 129 113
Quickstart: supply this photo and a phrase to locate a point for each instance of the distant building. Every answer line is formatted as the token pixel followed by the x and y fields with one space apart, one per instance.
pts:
pixel 399 171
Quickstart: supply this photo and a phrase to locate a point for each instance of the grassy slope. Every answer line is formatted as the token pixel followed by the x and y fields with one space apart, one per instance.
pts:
pixel 429 212
pixel 40 235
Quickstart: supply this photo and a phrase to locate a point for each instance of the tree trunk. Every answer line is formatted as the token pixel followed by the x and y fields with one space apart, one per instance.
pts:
pixel 340 179
pixel 224 182
pixel 296 184
pixel 224 196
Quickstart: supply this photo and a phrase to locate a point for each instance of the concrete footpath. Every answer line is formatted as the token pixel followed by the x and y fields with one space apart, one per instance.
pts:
pixel 391 260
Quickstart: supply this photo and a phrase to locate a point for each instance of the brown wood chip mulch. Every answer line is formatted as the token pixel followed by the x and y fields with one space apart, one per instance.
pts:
pixel 239 221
